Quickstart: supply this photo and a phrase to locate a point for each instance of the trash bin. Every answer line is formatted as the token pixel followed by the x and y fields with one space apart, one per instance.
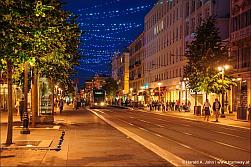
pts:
pixel 242 113
pixel 197 110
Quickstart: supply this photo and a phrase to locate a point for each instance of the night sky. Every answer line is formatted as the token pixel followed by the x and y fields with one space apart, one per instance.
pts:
pixel 110 26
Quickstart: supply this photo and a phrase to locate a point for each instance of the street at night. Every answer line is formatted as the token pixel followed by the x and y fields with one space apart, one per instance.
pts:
pixel 136 138
pixel 134 83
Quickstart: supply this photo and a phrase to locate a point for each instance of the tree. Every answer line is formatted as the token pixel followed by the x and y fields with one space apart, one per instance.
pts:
pixel 205 53
pixel 42 33
pixel 111 87
pixel 12 45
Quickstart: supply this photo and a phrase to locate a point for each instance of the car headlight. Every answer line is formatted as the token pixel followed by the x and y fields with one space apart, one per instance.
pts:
pixel 102 104
pixel 96 103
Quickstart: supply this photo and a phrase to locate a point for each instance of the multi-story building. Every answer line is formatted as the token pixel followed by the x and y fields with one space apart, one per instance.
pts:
pixel 136 50
pixel 120 71
pixel 240 37
pixel 164 50
pixel 169 27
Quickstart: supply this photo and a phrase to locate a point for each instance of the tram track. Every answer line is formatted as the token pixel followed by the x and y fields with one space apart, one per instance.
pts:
pixel 165 137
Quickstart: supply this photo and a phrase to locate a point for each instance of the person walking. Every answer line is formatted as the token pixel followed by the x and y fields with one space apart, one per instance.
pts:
pixel 61 105
pixel 163 107
pixel 216 109
pixel 21 109
pixel 206 107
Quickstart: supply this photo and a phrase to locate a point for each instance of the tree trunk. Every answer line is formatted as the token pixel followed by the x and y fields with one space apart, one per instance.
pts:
pixel 34 92
pixel 10 112
pixel 52 105
pixel 26 87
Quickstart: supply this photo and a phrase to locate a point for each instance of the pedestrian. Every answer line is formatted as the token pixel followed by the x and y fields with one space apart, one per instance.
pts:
pixel 61 105
pixel 21 109
pixel 189 106
pixel 75 104
pixel 216 109
pixel 163 107
pixel 178 105
pixel 207 109
pixel 167 105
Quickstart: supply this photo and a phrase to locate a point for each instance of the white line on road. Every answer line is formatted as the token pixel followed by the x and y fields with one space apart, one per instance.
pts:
pixel 228 134
pixel 159 125
pixel 179 143
pixel 192 119
pixel 171 158
pixel 189 134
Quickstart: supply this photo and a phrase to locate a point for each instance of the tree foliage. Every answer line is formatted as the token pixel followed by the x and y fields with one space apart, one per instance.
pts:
pixel 111 87
pixel 42 33
pixel 205 53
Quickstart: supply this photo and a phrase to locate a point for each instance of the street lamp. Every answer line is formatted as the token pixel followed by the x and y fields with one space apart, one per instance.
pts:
pixel 25 129
pixel 159 83
pixel 222 70
pixel 186 80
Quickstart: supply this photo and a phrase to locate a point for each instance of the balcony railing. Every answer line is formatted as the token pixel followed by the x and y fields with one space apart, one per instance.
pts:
pixel 240 34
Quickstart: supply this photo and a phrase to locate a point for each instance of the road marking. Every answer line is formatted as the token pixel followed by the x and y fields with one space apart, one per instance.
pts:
pixel 191 119
pixel 159 125
pixel 159 135
pixel 144 121
pixel 184 145
pixel 149 145
pixel 228 134
pixel 171 158
pixel 188 133
pixel 214 141
pixel 238 148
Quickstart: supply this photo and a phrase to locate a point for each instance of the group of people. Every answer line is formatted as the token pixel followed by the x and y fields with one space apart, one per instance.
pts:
pixel 59 104
pixel 169 106
pixel 216 109
pixel 121 102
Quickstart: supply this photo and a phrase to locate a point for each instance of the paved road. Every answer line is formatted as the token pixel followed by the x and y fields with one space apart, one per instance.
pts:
pixel 89 141
pixel 180 141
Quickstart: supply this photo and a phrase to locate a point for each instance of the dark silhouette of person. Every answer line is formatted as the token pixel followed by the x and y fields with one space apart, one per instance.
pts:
pixel 21 109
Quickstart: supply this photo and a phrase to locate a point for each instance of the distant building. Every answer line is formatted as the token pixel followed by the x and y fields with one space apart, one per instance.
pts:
pixel 120 71
pixel 136 50
pixel 240 38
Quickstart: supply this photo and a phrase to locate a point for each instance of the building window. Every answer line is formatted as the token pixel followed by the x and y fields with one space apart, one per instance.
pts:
pixel 187 9
pixel 177 34
pixel 177 14
pixel 187 28
pixel 193 25
pixel 193 6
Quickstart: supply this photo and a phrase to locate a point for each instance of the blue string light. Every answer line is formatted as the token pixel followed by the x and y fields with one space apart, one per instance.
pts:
pixel 104 36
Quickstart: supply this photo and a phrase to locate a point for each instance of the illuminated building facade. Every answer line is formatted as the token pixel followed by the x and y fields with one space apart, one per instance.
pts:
pixel 240 37
pixel 120 71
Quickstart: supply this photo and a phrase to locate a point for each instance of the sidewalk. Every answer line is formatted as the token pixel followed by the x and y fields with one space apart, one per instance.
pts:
pixel 229 120
pixel 88 141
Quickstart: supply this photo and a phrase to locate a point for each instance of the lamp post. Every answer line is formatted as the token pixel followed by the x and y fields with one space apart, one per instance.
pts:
pixel 222 70
pixel 186 80
pixel 159 90
pixel 59 93
pixel 25 129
